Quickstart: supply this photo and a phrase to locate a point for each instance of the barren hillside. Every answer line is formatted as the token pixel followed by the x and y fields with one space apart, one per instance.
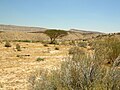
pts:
pixel 11 32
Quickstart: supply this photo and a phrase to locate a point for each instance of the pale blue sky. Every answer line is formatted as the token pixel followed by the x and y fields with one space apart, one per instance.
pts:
pixel 95 15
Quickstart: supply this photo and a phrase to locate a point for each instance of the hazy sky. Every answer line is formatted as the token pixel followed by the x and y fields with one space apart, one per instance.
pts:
pixel 95 15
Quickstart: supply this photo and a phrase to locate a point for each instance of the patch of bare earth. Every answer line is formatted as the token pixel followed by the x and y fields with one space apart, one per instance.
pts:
pixel 16 66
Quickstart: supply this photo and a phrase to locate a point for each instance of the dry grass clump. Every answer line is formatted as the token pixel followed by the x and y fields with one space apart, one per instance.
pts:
pixel 7 44
pixel 82 44
pixel 18 48
pixel 76 50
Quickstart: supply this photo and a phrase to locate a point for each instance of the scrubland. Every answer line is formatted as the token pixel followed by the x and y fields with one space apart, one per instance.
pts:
pixel 92 64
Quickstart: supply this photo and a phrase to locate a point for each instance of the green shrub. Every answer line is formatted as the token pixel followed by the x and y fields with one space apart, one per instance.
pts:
pixel 18 47
pixel 7 44
pixel 40 59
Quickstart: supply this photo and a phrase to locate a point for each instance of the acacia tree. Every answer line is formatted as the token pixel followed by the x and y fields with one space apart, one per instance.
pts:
pixel 54 34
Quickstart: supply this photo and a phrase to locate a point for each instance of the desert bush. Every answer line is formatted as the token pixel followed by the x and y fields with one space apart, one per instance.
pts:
pixel 82 44
pixel 7 44
pixel 29 41
pixel 46 45
pixel 18 56
pixel 21 56
pixel 18 47
pixel 75 74
pixel 1 85
pixel 112 79
pixel 72 42
pixel 40 59
pixel 107 49
pixel 76 50
pixel 81 72
pixel 56 48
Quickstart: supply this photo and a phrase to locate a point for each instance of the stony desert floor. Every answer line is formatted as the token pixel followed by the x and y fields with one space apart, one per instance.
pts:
pixel 16 66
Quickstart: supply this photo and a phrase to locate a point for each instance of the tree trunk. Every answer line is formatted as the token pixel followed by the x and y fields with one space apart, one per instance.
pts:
pixel 52 41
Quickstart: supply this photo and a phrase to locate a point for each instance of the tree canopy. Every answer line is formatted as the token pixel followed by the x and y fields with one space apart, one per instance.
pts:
pixel 54 34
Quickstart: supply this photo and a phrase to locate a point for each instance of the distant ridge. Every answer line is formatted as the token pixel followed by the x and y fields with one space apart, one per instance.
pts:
pixel 39 29
pixel 4 27
pixel 20 28
pixel 14 32
pixel 85 31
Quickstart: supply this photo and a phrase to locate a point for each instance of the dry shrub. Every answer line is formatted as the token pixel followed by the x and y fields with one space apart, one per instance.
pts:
pixel 18 47
pixel 107 49
pixel 76 50
pixel 46 45
pixel 7 44
pixel 56 48
pixel 81 72
pixel 82 44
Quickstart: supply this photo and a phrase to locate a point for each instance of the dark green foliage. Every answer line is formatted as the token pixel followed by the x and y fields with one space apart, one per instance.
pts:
pixel 54 34
pixel 7 44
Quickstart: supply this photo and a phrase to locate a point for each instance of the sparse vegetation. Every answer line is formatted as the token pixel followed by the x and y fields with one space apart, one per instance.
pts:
pixel 7 44
pixel 79 74
pixel 82 72
pixel 92 64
